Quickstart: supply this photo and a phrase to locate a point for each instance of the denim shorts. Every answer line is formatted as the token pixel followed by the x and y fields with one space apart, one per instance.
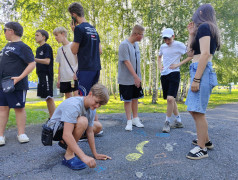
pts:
pixel 198 101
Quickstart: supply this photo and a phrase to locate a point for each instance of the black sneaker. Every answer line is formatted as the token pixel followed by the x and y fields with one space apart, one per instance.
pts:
pixel 197 153
pixel 208 145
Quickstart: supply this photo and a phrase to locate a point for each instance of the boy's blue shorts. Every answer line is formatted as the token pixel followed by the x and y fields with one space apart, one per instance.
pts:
pixel 86 79
pixel 15 99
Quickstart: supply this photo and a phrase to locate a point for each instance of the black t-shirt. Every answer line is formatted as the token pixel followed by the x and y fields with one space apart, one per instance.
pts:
pixel 88 53
pixel 42 52
pixel 14 58
pixel 204 30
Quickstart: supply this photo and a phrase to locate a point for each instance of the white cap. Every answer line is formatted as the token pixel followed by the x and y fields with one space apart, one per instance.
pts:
pixel 168 33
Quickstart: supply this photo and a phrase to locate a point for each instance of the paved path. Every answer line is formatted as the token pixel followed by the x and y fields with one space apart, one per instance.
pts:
pixel 144 153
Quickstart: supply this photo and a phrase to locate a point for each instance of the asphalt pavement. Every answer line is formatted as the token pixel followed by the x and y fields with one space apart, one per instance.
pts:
pixel 144 153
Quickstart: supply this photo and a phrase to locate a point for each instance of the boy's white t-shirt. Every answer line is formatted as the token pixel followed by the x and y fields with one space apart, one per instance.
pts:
pixel 171 55
pixel 66 74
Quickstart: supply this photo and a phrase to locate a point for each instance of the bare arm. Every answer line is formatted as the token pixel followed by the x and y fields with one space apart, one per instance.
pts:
pixel 27 71
pixel 100 49
pixel 160 66
pixel 203 60
pixel 58 82
pixel 174 66
pixel 73 146
pixel 133 73
pixel 91 142
pixel 43 61
pixel 74 48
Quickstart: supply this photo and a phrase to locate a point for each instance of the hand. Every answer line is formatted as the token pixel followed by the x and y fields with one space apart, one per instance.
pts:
pixel 190 53
pixel 58 84
pixel 89 161
pixel 137 82
pixel 161 68
pixel 195 86
pixel 102 157
pixel 72 25
pixel 16 79
pixel 173 66
pixel 75 77
pixel 191 28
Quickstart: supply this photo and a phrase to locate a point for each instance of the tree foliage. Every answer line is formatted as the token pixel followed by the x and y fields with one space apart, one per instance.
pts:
pixel 114 20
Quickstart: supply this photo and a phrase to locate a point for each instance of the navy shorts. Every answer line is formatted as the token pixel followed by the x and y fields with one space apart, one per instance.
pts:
pixel 170 84
pixel 86 79
pixel 66 87
pixel 130 92
pixel 45 86
pixel 15 99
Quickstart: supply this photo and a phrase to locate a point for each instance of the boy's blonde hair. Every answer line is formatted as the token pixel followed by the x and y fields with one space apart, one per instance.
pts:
pixel 61 30
pixel 137 29
pixel 101 92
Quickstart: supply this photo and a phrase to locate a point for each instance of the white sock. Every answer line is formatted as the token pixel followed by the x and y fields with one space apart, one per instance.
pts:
pixel 178 118
pixel 168 118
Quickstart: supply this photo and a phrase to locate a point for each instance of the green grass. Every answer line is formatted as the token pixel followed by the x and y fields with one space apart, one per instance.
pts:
pixel 37 111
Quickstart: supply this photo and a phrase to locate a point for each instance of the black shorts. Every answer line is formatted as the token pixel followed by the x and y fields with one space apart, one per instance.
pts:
pixel 170 84
pixel 15 99
pixel 130 92
pixel 59 133
pixel 65 87
pixel 45 86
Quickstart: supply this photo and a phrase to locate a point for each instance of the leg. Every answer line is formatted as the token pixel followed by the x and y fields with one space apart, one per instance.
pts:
pixel 170 105
pixel 78 131
pixel 134 107
pixel 127 107
pixel 97 127
pixel 75 93
pixel 20 119
pixel 202 128
pixel 175 111
pixel 4 114
pixel 50 105
pixel 68 95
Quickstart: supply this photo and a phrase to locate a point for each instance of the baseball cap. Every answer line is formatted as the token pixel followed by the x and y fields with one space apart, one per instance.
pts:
pixel 168 33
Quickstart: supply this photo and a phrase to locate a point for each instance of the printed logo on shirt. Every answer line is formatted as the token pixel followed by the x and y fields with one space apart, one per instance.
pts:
pixel 41 53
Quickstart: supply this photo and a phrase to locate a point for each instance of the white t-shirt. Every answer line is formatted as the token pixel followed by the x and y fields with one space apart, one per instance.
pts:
pixel 171 55
pixel 66 74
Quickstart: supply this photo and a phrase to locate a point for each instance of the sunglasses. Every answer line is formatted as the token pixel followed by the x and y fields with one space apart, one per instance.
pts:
pixel 5 29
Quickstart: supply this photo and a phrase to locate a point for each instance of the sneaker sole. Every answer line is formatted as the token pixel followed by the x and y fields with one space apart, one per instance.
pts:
pixel 176 127
pixel 138 126
pixel 2 144
pixel 197 158
pixel 165 131
pixel 208 147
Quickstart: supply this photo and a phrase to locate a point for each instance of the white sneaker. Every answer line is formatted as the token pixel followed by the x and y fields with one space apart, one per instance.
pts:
pixel 2 140
pixel 22 138
pixel 136 122
pixel 129 125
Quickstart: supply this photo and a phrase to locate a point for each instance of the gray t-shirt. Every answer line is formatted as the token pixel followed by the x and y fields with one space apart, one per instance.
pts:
pixel 130 52
pixel 69 110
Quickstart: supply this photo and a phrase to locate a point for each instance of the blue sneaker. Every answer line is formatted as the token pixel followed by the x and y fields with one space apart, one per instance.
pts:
pixel 74 163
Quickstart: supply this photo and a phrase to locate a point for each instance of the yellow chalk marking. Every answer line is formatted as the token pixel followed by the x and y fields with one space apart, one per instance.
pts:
pixel 140 146
pixel 136 156
pixel 133 156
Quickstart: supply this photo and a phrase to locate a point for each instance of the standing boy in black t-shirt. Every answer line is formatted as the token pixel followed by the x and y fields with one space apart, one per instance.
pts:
pixel 16 61
pixel 44 69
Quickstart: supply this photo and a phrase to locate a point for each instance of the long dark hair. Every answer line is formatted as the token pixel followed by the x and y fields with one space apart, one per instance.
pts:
pixel 206 14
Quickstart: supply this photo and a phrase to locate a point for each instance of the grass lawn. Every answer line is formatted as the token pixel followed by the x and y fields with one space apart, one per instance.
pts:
pixel 37 111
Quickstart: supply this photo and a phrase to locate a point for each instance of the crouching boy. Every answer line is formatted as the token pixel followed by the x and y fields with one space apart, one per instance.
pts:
pixel 71 119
